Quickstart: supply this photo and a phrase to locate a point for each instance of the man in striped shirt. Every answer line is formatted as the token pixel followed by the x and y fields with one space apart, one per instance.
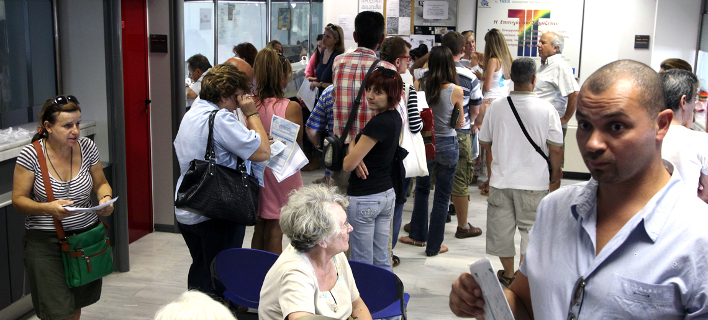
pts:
pixel 349 70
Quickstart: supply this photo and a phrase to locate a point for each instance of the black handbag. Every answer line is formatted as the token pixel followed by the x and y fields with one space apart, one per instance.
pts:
pixel 333 146
pixel 216 191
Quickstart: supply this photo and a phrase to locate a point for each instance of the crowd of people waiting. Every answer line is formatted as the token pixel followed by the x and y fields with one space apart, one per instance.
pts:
pixel 633 232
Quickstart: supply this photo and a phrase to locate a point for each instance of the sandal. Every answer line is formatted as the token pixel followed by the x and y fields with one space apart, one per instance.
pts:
pixel 443 249
pixel 506 281
pixel 485 191
pixel 396 261
pixel 320 180
pixel 408 240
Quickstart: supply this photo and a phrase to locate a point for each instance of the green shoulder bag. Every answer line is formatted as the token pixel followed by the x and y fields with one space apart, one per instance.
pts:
pixel 87 256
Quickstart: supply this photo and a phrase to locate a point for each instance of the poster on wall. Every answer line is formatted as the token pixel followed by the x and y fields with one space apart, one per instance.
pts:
pixel 435 13
pixel 371 5
pixel 523 24
pixel 284 19
pixel 398 17
pixel 205 18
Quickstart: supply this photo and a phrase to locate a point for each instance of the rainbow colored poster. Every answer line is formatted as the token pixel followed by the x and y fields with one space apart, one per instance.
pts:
pixel 523 23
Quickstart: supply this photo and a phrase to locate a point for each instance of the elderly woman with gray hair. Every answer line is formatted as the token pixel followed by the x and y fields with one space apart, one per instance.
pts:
pixel 312 276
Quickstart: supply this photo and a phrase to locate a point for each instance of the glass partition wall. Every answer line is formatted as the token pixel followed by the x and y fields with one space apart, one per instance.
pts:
pixel 224 24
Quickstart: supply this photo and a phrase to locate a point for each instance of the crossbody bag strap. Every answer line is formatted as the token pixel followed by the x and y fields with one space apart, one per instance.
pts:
pixel 528 137
pixel 357 102
pixel 48 187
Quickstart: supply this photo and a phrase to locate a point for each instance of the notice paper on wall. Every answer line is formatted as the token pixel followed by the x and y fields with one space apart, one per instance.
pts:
pixel 435 9
pixel 495 304
pixel 346 21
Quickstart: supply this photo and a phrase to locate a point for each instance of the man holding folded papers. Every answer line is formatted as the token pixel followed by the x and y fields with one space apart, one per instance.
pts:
pixel 628 244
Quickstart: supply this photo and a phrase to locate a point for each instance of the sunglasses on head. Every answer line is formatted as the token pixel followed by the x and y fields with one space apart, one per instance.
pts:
pixel 62 100
pixel 334 27
pixel 282 58
pixel 387 72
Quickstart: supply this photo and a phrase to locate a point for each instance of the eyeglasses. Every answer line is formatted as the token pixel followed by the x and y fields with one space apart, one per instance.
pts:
pixel 62 100
pixel 405 57
pixel 577 299
pixel 387 72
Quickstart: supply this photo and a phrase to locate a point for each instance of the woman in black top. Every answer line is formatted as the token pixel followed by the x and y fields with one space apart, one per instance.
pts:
pixel 333 41
pixel 370 192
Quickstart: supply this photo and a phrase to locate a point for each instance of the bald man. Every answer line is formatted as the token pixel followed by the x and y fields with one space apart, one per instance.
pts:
pixel 628 244
pixel 241 65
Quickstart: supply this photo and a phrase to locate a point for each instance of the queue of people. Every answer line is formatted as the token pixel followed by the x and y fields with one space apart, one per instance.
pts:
pixel 633 232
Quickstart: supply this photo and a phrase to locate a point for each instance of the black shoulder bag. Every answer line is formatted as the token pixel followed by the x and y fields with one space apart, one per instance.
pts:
pixel 333 146
pixel 528 137
pixel 217 191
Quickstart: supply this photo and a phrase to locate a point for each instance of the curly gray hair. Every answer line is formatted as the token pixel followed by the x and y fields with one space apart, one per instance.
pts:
pixel 308 219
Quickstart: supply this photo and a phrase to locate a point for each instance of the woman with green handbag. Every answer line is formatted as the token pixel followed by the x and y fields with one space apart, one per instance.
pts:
pixel 74 169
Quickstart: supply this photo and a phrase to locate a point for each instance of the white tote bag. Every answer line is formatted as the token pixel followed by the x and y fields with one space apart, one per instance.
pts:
pixel 415 163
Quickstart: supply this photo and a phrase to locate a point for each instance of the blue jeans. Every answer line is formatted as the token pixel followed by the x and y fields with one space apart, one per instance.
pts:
pixel 446 155
pixel 370 216
pixel 398 215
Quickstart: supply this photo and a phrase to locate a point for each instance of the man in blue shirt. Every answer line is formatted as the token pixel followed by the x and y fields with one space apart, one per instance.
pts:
pixel 628 244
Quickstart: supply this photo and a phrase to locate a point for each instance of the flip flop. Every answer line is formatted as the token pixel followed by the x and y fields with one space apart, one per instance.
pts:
pixel 506 281
pixel 408 240
pixel 319 181
pixel 443 249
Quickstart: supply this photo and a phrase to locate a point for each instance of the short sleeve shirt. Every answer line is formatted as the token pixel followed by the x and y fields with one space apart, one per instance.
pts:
pixel 516 164
pixel 232 140
pixel 688 150
pixel 385 128
pixel 653 268
pixel 349 71
pixel 555 81
pixel 291 286
pixel 78 189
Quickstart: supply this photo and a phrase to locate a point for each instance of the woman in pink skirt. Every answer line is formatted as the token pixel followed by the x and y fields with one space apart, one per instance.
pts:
pixel 271 74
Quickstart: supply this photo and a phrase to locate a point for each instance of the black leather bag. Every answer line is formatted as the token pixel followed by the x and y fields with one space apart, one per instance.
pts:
pixel 216 191
pixel 333 146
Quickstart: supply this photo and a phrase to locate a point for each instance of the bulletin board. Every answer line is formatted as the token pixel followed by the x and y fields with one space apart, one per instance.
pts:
pixel 413 18
pixel 522 23
pixel 398 14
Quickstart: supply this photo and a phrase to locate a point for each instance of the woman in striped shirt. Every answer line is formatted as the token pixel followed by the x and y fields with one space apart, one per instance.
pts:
pixel 75 171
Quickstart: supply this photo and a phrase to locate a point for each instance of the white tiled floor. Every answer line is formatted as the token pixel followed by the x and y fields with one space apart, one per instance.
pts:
pixel 159 263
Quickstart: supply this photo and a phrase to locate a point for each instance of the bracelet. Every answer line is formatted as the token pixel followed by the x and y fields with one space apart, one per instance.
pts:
pixel 108 195
pixel 253 114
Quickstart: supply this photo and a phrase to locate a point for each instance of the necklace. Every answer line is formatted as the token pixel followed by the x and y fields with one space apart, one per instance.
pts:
pixel 71 169
pixel 333 306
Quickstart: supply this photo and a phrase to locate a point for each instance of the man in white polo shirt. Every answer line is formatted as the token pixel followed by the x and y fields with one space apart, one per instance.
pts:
pixel 555 81
pixel 685 148
pixel 519 173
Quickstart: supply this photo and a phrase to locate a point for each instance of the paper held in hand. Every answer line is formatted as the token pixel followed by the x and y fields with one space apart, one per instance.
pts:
pixel 495 304
pixel 98 207
pixel 308 96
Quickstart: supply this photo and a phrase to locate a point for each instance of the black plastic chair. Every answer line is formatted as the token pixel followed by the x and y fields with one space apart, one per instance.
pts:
pixel 380 289
pixel 242 272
